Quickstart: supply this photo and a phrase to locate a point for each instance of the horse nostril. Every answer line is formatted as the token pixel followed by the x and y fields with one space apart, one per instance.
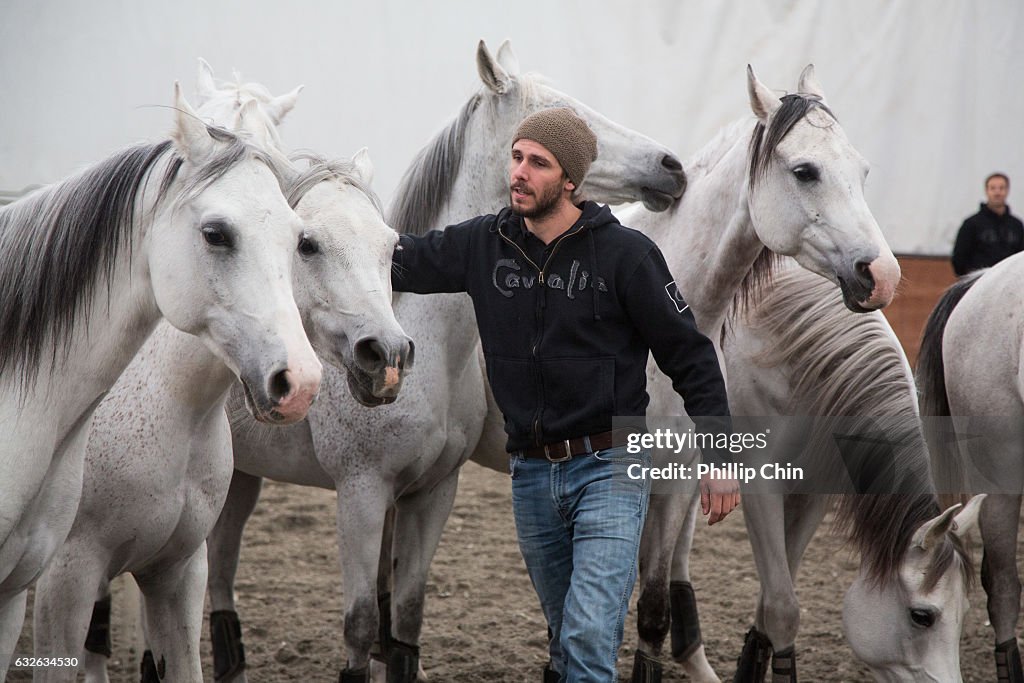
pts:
pixel 279 386
pixel 410 357
pixel 671 163
pixel 863 269
pixel 370 355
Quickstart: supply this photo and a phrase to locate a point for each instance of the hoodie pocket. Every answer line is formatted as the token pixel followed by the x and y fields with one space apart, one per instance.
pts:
pixel 515 390
pixel 578 392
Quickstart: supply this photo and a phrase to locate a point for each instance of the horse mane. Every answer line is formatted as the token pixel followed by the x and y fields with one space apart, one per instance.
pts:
pixel 320 169
pixel 427 184
pixel 847 364
pixel 763 142
pixel 57 242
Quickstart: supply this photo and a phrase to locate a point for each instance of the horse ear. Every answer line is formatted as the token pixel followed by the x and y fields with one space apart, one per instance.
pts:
pixel 491 73
pixel 279 106
pixel 934 529
pixel 363 165
pixel 763 102
pixel 967 519
pixel 507 58
pixel 190 136
pixel 808 84
pixel 206 86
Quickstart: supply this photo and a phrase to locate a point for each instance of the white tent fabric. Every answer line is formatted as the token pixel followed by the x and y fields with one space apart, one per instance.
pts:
pixel 928 90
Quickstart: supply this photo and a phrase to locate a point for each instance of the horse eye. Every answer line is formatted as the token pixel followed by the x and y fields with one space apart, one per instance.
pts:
pixel 922 617
pixel 806 173
pixel 216 235
pixel 308 247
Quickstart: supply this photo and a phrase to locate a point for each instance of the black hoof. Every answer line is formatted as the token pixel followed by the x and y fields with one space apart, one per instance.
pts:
pixel 354 675
pixel 228 651
pixel 685 629
pixel 1008 667
pixel 403 662
pixel 98 638
pixel 752 665
pixel 646 669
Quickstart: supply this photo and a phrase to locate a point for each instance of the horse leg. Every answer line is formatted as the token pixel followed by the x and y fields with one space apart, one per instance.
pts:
pixel 777 616
pixel 381 646
pixel 1000 519
pixel 173 598
pixel 419 522
pixel 687 641
pixel 362 507
pixel 225 545
pixel 803 515
pixel 12 618
pixel 98 646
pixel 65 601
pixel 668 516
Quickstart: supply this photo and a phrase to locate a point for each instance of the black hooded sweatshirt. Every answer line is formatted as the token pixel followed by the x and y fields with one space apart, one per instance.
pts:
pixel 985 239
pixel 567 327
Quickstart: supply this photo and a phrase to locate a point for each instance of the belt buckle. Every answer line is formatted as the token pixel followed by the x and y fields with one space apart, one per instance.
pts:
pixel 566 457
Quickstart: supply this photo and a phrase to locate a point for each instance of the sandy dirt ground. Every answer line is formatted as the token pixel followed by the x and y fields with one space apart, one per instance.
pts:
pixel 482 621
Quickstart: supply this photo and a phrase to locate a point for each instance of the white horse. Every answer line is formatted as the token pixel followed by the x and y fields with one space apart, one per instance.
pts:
pixel 979 381
pixel 195 229
pixel 159 459
pixel 790 182
pixel 407 456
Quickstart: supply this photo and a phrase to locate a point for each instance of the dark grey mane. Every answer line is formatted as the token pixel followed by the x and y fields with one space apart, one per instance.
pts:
pixel 56 243
pixel 427 185
pixel 320 169
pixel 846 364
pixel 763 143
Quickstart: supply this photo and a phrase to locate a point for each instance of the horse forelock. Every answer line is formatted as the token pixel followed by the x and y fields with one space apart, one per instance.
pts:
pixel 56 243
pixel 427 184
pixel 319 170
pixel 847 364
pixel 764 142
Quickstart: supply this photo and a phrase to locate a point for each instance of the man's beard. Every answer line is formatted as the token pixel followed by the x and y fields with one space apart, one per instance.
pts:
pixel 547 203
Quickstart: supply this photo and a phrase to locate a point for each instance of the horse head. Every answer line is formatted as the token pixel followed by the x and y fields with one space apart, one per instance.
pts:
pixel 629 166
pixel 908 627
pixel 806 194
pixel 342 260
pixel 220 264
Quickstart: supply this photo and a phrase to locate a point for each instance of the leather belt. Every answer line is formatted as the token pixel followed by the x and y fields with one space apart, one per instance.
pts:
pixel 560 451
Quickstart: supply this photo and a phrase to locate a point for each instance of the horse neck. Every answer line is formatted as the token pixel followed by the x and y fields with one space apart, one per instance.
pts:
pixel 708 238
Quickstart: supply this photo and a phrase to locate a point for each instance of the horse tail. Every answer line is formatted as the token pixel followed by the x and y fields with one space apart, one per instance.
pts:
pixel 947 468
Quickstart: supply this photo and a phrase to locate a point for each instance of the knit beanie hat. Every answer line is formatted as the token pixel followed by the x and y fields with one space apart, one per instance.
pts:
pixel 565 135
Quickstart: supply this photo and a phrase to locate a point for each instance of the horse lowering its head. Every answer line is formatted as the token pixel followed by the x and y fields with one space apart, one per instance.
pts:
pixel 904 611
pixel 343 258
pixel 806 194
pixel 629 167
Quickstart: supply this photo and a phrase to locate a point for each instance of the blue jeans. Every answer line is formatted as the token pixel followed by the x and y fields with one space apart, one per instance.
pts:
pixel 579 524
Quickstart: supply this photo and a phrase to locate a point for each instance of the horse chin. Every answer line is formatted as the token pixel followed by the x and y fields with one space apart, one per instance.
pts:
pixel 852 299
pixel 359 384
pixel 655 200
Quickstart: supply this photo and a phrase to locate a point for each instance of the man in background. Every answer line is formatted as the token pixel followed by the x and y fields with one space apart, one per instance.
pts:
pixel 990 235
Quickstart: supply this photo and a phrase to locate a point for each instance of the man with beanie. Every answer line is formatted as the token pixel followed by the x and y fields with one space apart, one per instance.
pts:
pixel 570 304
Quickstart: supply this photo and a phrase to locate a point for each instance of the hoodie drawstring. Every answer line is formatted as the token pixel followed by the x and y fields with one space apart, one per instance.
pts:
pixel 594 280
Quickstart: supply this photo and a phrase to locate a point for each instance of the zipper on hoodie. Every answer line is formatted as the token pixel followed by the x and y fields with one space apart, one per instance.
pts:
pixel 539 321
